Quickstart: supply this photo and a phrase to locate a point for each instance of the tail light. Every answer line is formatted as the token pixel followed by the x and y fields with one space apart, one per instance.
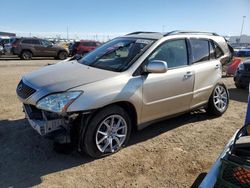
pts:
pixel 14 45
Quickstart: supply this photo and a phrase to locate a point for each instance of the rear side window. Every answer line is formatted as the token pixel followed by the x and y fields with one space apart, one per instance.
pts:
pixel 35 42
pixel 46 43
pixel 27 41
pixel 211 50
pixel 200 50
pixel 87 44
pixel 218 51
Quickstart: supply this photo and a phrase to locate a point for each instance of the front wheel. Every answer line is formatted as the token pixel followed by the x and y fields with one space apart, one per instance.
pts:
pixel 218 101
pixel 108 131
pixel 62 55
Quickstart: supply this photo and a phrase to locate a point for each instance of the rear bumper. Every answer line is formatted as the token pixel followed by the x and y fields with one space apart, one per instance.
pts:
pixel 15 51
pixel 242 78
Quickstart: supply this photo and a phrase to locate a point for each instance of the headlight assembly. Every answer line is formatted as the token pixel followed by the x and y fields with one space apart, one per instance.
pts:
pixel 58 102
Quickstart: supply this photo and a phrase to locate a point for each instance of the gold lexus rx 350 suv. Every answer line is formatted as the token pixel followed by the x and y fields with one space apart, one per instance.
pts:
pixel 129 82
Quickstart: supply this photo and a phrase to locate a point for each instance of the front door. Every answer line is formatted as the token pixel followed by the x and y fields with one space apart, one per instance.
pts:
pixel 47 49
pixel 168 93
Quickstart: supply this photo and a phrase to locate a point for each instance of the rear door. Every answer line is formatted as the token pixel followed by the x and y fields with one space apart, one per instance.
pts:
pixel 171 92
pixel 207 69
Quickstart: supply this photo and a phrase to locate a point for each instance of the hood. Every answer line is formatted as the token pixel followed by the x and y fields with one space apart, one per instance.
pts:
pixel 64 76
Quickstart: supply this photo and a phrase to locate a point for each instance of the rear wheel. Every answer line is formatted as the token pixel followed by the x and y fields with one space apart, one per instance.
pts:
pixel 62 55
pixel 219 100
pixel 107 132
pixel 26 55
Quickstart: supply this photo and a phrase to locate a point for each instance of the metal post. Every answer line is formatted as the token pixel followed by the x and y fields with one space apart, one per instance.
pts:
pixel 67 33
pixel 243 20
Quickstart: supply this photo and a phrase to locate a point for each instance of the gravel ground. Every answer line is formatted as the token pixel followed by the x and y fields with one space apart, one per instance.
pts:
pixel 173 153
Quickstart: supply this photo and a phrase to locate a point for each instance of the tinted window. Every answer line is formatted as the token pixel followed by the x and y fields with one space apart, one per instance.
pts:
pixel 46 43
pixel 200 50
pixel 5 41
pixel 34 41
pixel 173 52
pixel 211 50
pixel 27 41
pixel 218 51
pixel 87 44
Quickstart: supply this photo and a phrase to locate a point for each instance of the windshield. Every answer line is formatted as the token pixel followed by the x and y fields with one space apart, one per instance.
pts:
pixel 116 55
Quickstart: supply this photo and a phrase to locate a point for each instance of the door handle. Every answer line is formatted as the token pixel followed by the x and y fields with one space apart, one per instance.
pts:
pixel 188 74
pixel 217 66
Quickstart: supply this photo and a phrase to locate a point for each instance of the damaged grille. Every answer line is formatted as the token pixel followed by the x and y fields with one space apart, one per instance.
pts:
pixel 24 91
pixel 37 114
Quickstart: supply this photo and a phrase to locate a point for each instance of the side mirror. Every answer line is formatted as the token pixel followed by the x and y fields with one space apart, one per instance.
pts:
pixel 156 66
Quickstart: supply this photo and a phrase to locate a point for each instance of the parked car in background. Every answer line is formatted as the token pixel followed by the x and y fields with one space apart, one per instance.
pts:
pixel 1 50
pixel 83 47
pixel 72 48
pixel 242 75
pixel 63 44
pixel 6 43
pixel 128 82
pixel 245 52
pixel 232 67
pixel 26 48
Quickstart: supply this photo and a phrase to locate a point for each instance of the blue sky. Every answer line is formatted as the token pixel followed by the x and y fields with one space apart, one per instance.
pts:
pixel 110 16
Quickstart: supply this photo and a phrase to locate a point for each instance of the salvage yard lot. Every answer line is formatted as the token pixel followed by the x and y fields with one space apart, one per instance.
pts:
pixel 171 153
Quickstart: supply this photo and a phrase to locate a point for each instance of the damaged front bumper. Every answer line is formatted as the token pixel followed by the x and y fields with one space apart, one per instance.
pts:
pixel 47 124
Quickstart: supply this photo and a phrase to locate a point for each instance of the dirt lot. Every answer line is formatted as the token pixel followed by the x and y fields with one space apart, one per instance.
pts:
pixel 172 153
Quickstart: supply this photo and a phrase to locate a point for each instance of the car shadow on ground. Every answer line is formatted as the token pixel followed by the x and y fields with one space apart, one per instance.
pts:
pixel 240 95
pixel 25 157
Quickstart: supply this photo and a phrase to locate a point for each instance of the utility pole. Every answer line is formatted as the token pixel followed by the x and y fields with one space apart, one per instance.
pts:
pixel 243 20
pixel 67 33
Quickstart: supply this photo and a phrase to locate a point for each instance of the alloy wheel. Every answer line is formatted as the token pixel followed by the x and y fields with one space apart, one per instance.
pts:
pixel 220 98
pixel 111 134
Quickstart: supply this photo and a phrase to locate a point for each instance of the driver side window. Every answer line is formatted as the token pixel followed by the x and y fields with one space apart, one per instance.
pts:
pixel 173 52
pixel 46 43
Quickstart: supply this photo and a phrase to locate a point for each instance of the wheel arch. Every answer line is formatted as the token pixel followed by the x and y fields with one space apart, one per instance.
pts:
pixel 29 50
pixel 86 118
pixel 127 106
pixel 62 50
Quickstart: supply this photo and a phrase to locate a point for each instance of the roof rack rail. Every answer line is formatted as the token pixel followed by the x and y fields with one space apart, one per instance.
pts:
pixel 139 32
pixel 189 32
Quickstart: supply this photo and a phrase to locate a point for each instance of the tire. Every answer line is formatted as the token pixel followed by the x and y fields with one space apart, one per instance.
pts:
pixel 98 137
pixel 26 55
pixel 218 101
pixel 62 55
